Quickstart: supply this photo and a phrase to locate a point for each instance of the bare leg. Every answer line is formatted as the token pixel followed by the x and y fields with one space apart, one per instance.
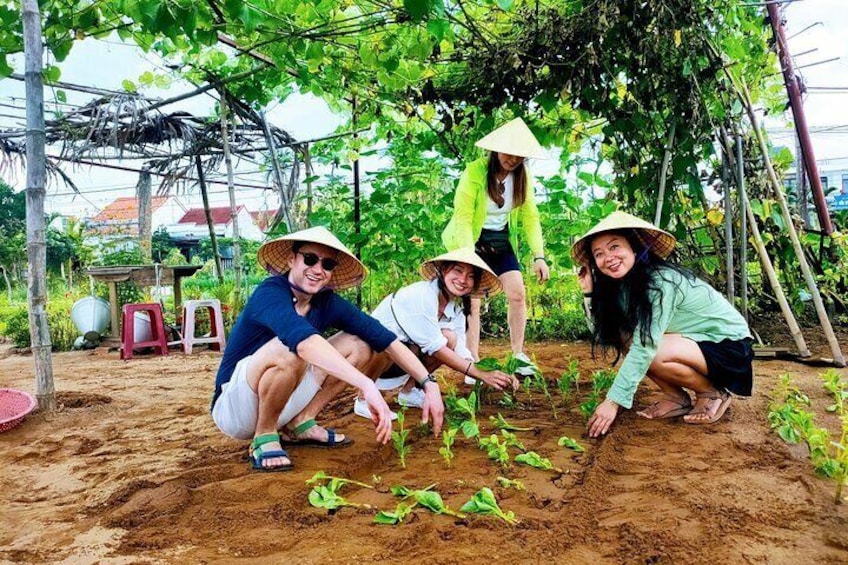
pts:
pixel 513 285
pixel 358 354
pixel 273 373
pixel 472 336
pixel 430 362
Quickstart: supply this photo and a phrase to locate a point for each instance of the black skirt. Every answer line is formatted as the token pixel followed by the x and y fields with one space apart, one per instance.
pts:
pixel 729 364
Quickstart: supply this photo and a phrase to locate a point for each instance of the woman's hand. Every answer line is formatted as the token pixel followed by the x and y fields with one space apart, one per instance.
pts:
pixel 498 380
pixel 600 422
pixel 584 277
pixel 381 414
pixel 540 267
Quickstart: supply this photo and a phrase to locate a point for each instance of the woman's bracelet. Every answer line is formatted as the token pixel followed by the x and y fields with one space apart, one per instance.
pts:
pixel 537 258
pixel 587 295
pixel 468 368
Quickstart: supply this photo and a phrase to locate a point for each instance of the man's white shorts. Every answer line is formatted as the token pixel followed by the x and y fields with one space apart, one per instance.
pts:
pixel 237 409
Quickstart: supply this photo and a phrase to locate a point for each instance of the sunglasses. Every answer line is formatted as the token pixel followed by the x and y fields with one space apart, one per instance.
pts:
pixel 311 259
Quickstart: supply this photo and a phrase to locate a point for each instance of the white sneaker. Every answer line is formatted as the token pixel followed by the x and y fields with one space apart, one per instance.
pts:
pixel 391 384
pixel 360 408
pixel 412 399
pixel 528 371
pixel 470 381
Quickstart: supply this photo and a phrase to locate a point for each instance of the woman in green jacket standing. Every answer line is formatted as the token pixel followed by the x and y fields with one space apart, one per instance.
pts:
pixel 494 201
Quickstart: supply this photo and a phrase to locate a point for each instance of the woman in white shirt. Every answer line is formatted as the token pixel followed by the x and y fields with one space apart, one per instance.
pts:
pixel 429 316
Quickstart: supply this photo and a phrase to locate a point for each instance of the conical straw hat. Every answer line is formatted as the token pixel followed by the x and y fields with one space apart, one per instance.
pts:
pixel 661 242
pixel 489 286
pixel 274 256
pixel 513 138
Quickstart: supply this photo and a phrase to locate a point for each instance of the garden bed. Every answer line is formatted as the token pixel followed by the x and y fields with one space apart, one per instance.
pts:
pixel 131 469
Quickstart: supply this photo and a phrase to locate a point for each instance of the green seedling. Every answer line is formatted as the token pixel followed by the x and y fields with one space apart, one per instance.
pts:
pixel 533 459
pixel 462 413
pixel 542 384
pixel 429 499
pixel 402 510
pixel 793 423
pixel 568 381
pixel 513 363
pixel 507 400
pixel 324 497
pixel 399 439
pixel 484 502
pixel 601 382
pixel 566 441
pixel 527 387
pixel 510 483
pixel 496 450
pixel 501 424
pixel 334 483
pixel 448 437
pixel 511 440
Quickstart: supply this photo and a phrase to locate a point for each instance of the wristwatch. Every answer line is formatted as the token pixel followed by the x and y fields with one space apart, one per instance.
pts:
pixel 430 379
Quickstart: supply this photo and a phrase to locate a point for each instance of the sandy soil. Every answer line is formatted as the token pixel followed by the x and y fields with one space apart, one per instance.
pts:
pixel 131 469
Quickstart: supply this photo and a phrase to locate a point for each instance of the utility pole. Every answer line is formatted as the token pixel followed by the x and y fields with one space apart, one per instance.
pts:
pixel 793 87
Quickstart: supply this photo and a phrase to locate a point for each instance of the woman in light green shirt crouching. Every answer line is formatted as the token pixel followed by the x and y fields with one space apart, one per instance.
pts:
pixel 676 328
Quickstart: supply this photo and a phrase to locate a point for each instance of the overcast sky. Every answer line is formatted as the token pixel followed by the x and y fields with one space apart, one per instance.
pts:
pixel 105 64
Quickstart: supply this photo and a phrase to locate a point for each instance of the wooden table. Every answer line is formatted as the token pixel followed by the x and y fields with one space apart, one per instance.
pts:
pixel 144 275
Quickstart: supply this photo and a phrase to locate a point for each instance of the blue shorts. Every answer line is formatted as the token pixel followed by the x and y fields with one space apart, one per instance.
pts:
pixel 496 250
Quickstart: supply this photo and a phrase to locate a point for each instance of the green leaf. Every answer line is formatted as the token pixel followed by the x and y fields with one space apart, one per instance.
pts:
pixel 566 441
pixel 51 73
pixel 417 9
pixel 61 96
pixel 506 5
pixel 5 69
pixel 129 86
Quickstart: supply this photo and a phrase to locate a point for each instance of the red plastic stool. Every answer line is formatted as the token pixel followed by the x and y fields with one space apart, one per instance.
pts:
pixel 158 339
pixel 216 321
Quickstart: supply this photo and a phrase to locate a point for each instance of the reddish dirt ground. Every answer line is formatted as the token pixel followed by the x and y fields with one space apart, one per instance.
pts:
pixel 131 469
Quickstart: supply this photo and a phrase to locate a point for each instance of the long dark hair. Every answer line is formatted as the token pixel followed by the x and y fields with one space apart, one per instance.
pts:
pixel 519 182
pixel 619 306
pixel 466 300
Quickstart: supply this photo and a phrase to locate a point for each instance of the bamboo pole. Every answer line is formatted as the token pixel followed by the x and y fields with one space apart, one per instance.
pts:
pixel 743 225
pixel 664 173
pixel 768 268
pixel 213 239
pixel 307 159
pixel 728 226
pixel 145 216
pixel 278 175
pixel 228 160
pixel 39 331
pixel 838 358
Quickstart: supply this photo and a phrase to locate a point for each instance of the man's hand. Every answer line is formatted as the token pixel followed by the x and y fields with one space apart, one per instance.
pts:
pixel 434 409
pixel 600 422
pixel 381 414
pixel 499 380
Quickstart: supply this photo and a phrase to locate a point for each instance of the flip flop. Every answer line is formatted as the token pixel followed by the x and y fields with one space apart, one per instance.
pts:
pixel 701 407
pixel 331 442
pixel 258 455
pixel 684 406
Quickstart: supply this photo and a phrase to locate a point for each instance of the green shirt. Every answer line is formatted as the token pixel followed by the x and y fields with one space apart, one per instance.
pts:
pixel 689 307
pixel 469 212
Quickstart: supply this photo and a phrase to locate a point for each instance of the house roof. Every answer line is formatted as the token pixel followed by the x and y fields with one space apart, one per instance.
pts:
pixel 220 215
pixel 126 209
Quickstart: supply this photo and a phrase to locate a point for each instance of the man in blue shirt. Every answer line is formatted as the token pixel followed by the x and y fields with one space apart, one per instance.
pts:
pixel 276 358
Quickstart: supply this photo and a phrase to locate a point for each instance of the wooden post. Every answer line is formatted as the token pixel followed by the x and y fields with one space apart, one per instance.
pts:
pixel 228 160
pixel 145 220
pixel 307 160
pixel 827 328
pixel 728 225
pixel 39 331
pixel 356 206
pixel 213 239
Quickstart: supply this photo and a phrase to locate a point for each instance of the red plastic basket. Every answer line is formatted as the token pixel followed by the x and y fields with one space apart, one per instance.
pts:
pixel 14 406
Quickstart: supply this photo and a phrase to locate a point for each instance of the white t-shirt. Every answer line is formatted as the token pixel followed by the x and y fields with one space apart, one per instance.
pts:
pixel 497 218
pixel 416 307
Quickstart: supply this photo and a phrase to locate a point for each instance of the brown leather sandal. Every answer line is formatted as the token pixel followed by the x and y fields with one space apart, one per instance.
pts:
pixel 702 402
pixel 684 406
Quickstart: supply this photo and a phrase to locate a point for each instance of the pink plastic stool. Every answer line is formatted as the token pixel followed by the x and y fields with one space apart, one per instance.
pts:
pixel 216 322
pixel 158 339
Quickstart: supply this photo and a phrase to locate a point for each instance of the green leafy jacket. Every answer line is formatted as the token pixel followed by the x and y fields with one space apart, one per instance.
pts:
pixel 469 213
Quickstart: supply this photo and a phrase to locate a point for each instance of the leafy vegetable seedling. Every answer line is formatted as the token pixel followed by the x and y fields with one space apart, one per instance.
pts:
pixel 399 439
pixel 448 437
pixel 402 510
pixel 496 450
pixel 601 382
pixel 429 499
pixel 511 440
pixel 533 459
pixel 334 483
pixel 566 441
pixel 567 381
pixel 501 424
pixel 510 483
pixel 484 502
pixel 324 497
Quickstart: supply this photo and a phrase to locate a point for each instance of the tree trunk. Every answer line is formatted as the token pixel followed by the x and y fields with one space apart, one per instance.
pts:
pixel 8 284
pixel 145 219
pixel 228 160
pixel 36 226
